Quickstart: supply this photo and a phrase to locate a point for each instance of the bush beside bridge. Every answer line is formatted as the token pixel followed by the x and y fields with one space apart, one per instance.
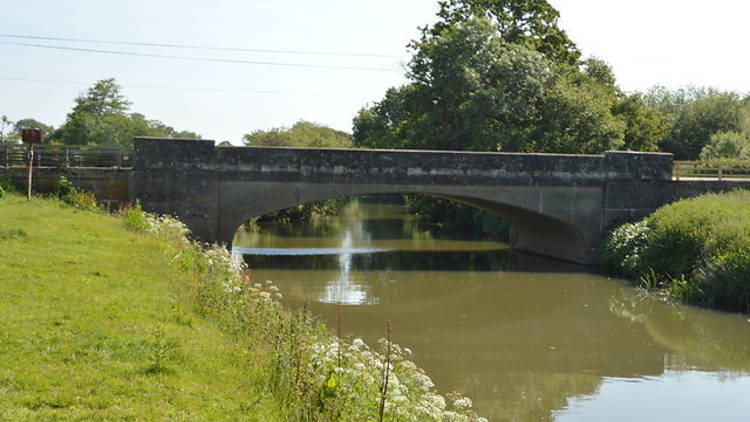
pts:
pixel 696 251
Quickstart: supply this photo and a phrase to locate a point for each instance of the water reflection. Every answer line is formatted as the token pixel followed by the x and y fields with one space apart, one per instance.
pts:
pixel 529 339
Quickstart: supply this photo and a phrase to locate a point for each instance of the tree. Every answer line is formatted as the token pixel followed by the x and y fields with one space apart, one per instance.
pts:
pixel 29 122
pixel 694 115
pixel 645 127
pixel 473 90
pixel 726 146
pixel 101 117
pixel 531 23
pixel 6 130
pixel 301 134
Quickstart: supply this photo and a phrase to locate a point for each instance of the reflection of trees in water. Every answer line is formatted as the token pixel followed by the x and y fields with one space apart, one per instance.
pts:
pixel 707 340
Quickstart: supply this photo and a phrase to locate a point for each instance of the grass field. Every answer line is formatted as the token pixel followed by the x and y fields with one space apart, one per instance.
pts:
pixel 96 325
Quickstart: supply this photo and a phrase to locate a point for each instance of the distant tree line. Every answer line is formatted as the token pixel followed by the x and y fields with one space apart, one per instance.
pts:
pixel 100 116
pixel 301 134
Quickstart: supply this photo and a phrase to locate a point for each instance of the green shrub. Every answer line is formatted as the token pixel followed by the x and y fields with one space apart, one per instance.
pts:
pixel 725 281
pixel 6 186
pixel 726 146
pixel 69 194
pixel 696 248
pixel 623 251
pixel 63 187
pixel 135 218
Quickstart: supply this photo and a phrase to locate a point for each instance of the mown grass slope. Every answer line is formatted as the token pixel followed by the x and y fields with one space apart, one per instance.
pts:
pixel 96 325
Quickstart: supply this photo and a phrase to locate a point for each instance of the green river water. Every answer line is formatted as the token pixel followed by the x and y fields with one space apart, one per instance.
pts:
pixel 527 338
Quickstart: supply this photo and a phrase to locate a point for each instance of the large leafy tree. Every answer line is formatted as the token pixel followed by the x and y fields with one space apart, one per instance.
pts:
pixel 102 116
pixel 531 23
pixel 473 89
pixel 645 128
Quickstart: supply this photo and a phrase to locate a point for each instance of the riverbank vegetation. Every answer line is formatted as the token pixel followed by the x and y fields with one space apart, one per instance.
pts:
pixel 696 251
pixel 123 317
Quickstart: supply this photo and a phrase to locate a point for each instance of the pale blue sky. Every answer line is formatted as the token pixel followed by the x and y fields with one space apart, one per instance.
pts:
pixel 668 42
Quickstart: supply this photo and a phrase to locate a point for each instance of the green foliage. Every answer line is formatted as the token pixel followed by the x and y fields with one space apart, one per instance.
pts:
pixel 6 134
pixel 694 114
pixel 726 146
pixel 46 129
pixel 101 116
pixel 697 246
pixel 531 23
pixel 63 187
pixel 69 194
pixel 645 127
pixel 160 352
pixel 301 134
pixel 724 281
pixel 304 213
pixel 6 186
pixel 135 218
pixel 443 216
pixel 624 249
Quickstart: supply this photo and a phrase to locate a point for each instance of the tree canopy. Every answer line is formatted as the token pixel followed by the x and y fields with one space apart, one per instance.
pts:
pixel 695 114
pixel 102 116
pixel 531 23
pixel 301 134
pixel 476 86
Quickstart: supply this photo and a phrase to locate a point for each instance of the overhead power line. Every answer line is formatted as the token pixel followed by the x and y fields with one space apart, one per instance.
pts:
pixel 204 59
pixel 201 47
pixel 178 88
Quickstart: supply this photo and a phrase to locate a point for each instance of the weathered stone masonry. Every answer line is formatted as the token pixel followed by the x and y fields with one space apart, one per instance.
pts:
pixel 559 205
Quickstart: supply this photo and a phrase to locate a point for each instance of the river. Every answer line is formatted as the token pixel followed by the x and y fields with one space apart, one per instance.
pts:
pixel 527 338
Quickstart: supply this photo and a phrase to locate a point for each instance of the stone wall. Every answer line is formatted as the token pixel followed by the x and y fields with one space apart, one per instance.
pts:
pixel 110 185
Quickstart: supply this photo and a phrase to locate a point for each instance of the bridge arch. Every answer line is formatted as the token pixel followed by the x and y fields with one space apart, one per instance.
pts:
pixel 534 228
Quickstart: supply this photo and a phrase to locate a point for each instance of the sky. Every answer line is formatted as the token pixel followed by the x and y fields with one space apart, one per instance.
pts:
pixel 667 42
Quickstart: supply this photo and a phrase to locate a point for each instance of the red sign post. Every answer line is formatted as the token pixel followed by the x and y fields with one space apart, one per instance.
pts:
pixel 30 136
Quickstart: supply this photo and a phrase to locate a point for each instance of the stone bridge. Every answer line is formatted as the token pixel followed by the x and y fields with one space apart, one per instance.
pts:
pixel 558 205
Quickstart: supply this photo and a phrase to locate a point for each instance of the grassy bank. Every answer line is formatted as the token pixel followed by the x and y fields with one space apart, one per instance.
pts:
pixel 695 250
pixel 97 326
pixel 123 318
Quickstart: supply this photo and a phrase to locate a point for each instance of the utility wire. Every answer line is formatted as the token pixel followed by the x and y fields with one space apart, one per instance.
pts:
pixel 200 47
pixel 178 88
pixel 204 59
